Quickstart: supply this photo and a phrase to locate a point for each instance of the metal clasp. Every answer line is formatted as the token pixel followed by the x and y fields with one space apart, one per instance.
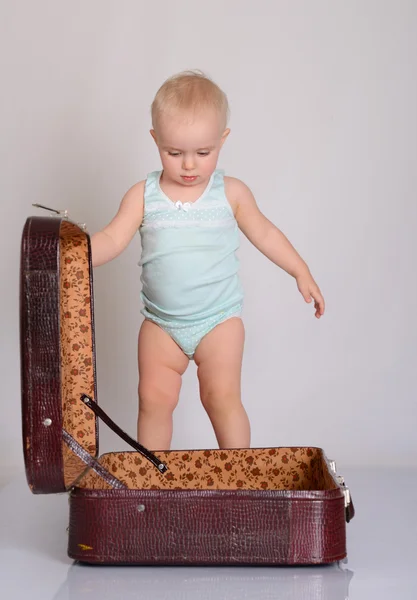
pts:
pixel 341 481
pixel 347 496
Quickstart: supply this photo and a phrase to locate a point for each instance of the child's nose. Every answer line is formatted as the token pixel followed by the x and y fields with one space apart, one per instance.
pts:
pixel 188 163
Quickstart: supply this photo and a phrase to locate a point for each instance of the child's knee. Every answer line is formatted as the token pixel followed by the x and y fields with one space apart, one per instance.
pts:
pixel 222 400
pixel 155 398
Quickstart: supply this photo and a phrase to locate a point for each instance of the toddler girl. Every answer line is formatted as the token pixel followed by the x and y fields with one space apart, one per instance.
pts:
pixel 188 215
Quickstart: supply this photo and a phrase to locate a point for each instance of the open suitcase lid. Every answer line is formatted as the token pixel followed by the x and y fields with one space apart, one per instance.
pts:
pixel 58 370
pixel 56 305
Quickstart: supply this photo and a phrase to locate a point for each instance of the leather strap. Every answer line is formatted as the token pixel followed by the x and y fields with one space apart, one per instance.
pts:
pixel 162 467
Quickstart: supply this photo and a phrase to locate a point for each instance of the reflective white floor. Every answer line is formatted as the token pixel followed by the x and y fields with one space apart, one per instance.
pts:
pixel 382 542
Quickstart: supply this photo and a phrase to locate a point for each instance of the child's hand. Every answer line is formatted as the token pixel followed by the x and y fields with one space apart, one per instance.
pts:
pixel 309 289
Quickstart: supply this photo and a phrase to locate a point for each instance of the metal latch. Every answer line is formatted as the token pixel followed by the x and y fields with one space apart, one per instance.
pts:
pixel 345 490
pixel 341 481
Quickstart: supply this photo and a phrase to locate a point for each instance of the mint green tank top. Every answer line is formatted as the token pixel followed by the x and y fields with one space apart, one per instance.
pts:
pixel 189 263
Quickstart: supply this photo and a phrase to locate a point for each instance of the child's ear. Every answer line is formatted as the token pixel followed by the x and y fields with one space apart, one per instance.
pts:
pixel 224 136
pixel 153 134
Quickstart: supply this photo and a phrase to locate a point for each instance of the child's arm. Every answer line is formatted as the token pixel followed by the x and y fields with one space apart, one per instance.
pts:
pixel 113 239
pixel 269 240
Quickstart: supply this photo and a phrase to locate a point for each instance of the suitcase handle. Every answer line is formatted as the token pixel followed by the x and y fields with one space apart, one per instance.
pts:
pixel 162 467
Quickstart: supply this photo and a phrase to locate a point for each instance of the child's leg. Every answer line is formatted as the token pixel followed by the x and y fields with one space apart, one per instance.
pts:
pixel 219 361
pixel 161 365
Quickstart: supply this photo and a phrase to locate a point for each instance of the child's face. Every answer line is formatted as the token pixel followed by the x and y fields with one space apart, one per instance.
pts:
pixel 189 147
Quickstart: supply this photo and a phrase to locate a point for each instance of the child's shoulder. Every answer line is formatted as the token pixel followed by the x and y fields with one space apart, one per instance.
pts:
pixel 235 190
pixel 134 197
pixel 137 189
pixel 232 182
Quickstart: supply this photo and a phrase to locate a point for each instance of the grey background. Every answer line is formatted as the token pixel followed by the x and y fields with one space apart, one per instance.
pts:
pixel 323 100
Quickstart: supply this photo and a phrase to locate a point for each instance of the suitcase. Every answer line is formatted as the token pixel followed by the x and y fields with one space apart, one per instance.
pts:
pixel 248 506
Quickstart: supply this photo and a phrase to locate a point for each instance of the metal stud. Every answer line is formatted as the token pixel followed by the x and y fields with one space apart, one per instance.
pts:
pixel 47 422
pixel 161 467
pixel 141 507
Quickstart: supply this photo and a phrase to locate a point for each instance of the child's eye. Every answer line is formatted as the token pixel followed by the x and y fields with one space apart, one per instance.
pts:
pixel 179 153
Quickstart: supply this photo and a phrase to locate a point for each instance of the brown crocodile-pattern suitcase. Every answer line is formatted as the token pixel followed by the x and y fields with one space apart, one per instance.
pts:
pixel 249 506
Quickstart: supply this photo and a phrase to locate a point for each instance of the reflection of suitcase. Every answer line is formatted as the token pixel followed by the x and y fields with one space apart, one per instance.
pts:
pixel 292 583
pixel 259 506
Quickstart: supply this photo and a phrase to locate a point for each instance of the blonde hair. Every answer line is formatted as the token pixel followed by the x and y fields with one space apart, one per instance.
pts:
pixel 189 91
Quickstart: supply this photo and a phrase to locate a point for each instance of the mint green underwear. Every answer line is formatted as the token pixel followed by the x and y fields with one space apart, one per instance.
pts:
pixel 188 335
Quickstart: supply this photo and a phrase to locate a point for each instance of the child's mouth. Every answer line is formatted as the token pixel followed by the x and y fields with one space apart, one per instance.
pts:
pixel 189 178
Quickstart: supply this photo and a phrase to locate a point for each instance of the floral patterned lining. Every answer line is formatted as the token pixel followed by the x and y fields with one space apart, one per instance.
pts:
pixel 77 369
pixel 246 469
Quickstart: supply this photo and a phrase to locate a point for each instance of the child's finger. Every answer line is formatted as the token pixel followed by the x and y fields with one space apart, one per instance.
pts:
pixel 306 295
pixel 319 302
